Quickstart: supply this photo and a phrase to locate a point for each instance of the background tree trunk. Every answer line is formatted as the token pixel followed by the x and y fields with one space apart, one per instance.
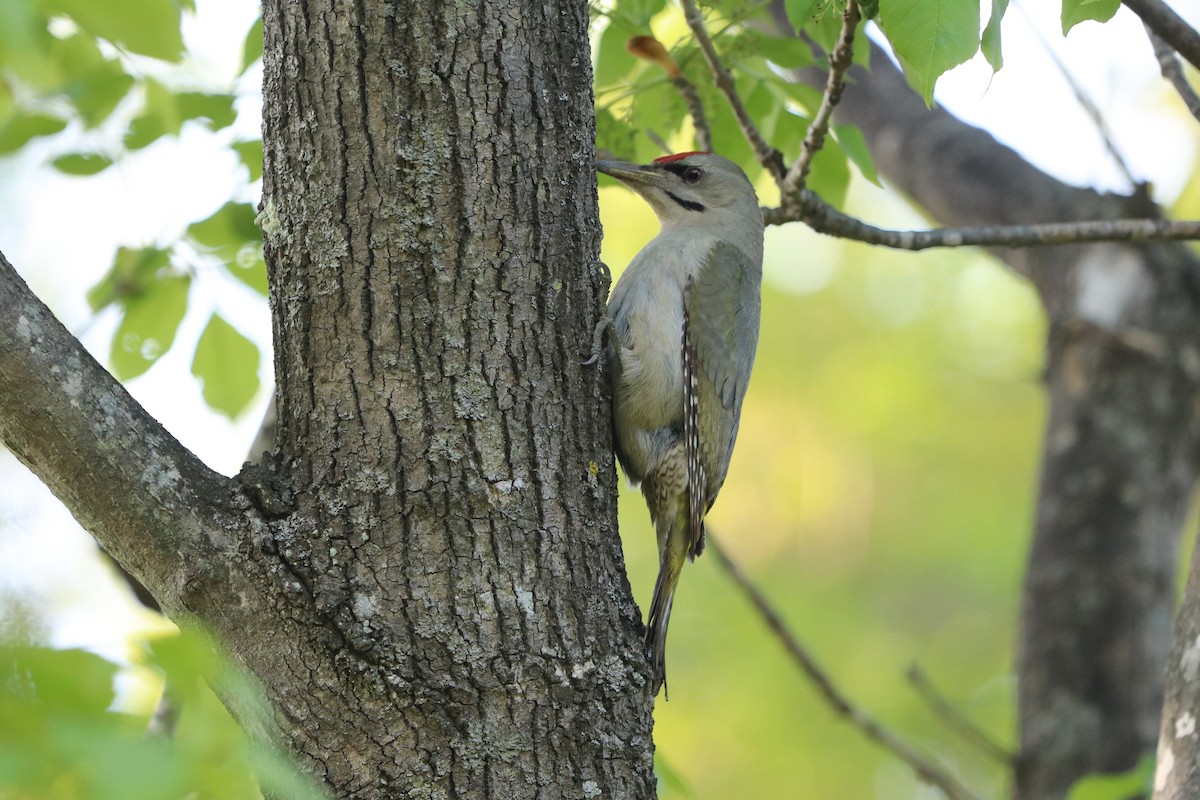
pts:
pixel 1120 453
pixel 426 576
pixel 1121 443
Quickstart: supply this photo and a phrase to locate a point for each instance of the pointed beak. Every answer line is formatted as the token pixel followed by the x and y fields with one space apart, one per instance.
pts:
pixel 633 175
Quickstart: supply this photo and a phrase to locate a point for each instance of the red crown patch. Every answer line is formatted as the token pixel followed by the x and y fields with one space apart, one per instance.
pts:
pixel 677 156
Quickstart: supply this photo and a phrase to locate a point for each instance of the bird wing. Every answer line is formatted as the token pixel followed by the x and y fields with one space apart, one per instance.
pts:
pixel 722 306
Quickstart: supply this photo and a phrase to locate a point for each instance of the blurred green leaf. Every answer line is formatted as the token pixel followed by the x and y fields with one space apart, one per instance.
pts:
pixel 146 27
pixel 226 362
pixel 930 36
pixel 147 329
pixel 207 739
pixel 830 175
pixel 1136 783
pixel 216 108
pixel 132 271
pixel 251 154
pixel 613 61
pixel 64 680
pixel 636 14
pixel 1077 11
pixel 232 236
pixel 799 12
pixel 22 128
pixel 788 52
pixel 825 26
pixel 671 782
pixel 23 36
pixel 252 48
pixel 96 96
pixel 60 740
pixel 159 116
pixel 990 43
pixel 81 163
pixel 851 140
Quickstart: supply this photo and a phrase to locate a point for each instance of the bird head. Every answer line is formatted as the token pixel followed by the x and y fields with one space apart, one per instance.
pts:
pixel 690 188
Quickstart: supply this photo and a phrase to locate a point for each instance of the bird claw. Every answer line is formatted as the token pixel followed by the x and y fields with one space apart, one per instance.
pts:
pixel 605 325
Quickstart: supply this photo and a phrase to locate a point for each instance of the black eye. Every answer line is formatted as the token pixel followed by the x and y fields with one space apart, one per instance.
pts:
pixel 693 175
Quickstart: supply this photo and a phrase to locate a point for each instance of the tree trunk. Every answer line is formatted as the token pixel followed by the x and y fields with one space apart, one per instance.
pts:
pixel 1121 443
pixel 433 286
pixel 426 576
pixel 1120 453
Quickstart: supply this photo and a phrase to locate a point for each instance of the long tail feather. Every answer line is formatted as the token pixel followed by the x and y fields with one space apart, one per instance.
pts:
pixel 660 616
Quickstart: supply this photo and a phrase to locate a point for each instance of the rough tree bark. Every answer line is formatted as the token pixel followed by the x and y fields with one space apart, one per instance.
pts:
pixel 1122 442
pixel 426 577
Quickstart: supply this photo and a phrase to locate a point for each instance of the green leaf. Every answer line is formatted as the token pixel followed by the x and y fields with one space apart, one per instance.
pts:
pixel 1137 782
pixel 67 680
pixel 159 116
pixel 636 14
pixel 830 176
pixel 1077 11
pixel 147 27
pixel 799 12
pixel 164 113
pixel 789 52
pixel 20 129
pixel 81 163
pixel 96 97
pixel 232 236
pixel 930 36
pixel 147 330
pixel 216 108
pixel 207 738
pixel 613 135
pixel 613 61
pixel 226 363
pixel 990 43
pixel 132 271
pixel 252 49
pixel 854 145
pixel 23 37
pixel 251 154
pixel 670 779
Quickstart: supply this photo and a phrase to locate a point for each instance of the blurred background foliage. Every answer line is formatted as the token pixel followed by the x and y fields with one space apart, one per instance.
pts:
pixel 881 492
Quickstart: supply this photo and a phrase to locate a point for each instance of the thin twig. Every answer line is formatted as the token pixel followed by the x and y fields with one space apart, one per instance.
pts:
pixel 954 718
pixel 1174 30
pixel 701 132
pixel 839 61
pixel 1085 101
pixel 769 157
pixel 650 49
pixel 926 770
pixel 824 218
pixel 1168 64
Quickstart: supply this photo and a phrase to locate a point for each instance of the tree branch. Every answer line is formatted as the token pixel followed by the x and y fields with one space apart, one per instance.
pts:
pixel 149 502
pixel 1168 64
pixel 768 156
pixel 824 218
pixel 1172 28
pixel 926 770
pixel 814 139
pixel 955 719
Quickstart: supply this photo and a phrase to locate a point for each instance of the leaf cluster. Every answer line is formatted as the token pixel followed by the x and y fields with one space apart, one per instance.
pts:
pixel 84 68
pixel 62 739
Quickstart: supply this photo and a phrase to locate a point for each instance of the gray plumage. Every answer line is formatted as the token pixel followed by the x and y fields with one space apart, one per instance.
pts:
pixel 685 316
